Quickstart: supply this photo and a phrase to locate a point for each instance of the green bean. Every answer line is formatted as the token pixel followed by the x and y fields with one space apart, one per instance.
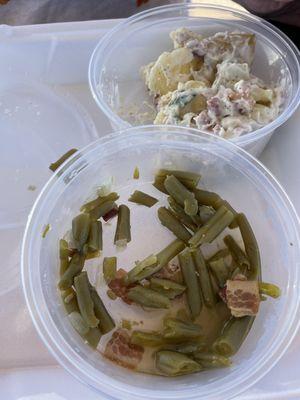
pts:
pixel 81 229
pixel 142 198
pixel 214 285
pixel 141 269
pixel 221 202
pixel 237 253
pixel 206 198
pixel 205 213
pixel 220 270
pixel 136 173
pixel 64 251
pixel 223 253
pixel 210 360
pixel 178 331
pixel 204 279
pixel 85 301
pixel 233 335
pixel 126 324
pixel 168 220
pixel 100 200
pixel 106 323
pixel 95 242
pixel 181 194
pixel 111 294
pixel 92 254
pixel 169 252
pixel 190 279
pixel 93 337
pixel 109 268
pixel 68 295
pixel 70 303
pixel 159 184
pixel 74 268
pixel 188 179
pixel 78 323
pixel 166 287
pixel 251 247
pixel 269 289
pixel 146 339
pixel 45 231
pixel 54 166
pixel 179 213
pixel 123 234
pixel 63 256
pixel 148 298
pixel 102 209
pixel 189 348
pixel 172 363
pixel 153 264
pixel 209 231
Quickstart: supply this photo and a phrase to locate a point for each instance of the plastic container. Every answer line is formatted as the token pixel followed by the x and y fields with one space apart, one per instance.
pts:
pixel 227 169
pixel 114 72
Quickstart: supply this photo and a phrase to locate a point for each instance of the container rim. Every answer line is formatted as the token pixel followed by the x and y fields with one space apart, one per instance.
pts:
pixel 82 370
pixel 104 45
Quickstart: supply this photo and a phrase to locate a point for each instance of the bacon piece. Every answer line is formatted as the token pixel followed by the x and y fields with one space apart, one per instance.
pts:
pixel 119 288
pixel 242 297
pixel 120 350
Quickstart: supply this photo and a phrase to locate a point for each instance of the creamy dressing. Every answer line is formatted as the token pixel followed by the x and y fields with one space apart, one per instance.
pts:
pixel 207 83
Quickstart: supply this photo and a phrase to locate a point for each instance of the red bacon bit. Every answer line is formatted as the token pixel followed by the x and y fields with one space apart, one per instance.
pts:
pixel 111 214
pixel 120 350
pixel 242 297
pixel 119 288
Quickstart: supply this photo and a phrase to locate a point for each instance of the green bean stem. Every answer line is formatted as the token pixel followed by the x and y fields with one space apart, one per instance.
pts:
pixel 168 220
pixel 209 231
pixel 181 195
pixel 204 279
pixel 191 282
pixel 91 205
pixel 166 287
pixel 148 298
pixel 179 213
pixel 233 335
pixel 106 323
pixel 75 267
pixel 146 339
pixel 123 230
pixel 109 268
pixel 172 363
pixel 251 247
pixel 95 242
pixel 54 166
pixel 269 289
pixel 84 299
pixel 142 198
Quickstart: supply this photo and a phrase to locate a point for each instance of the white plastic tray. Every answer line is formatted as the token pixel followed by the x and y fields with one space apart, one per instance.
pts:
pixel 57 57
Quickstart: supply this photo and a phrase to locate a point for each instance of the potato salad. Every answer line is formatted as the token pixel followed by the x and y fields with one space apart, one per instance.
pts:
pixel 206 83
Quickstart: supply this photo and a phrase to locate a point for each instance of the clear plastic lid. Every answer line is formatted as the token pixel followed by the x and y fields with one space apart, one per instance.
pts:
pixel 38 124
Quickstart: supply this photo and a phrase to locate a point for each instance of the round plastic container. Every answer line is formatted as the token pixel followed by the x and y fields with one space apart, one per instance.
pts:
pixel 226 169
pixel 114 72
